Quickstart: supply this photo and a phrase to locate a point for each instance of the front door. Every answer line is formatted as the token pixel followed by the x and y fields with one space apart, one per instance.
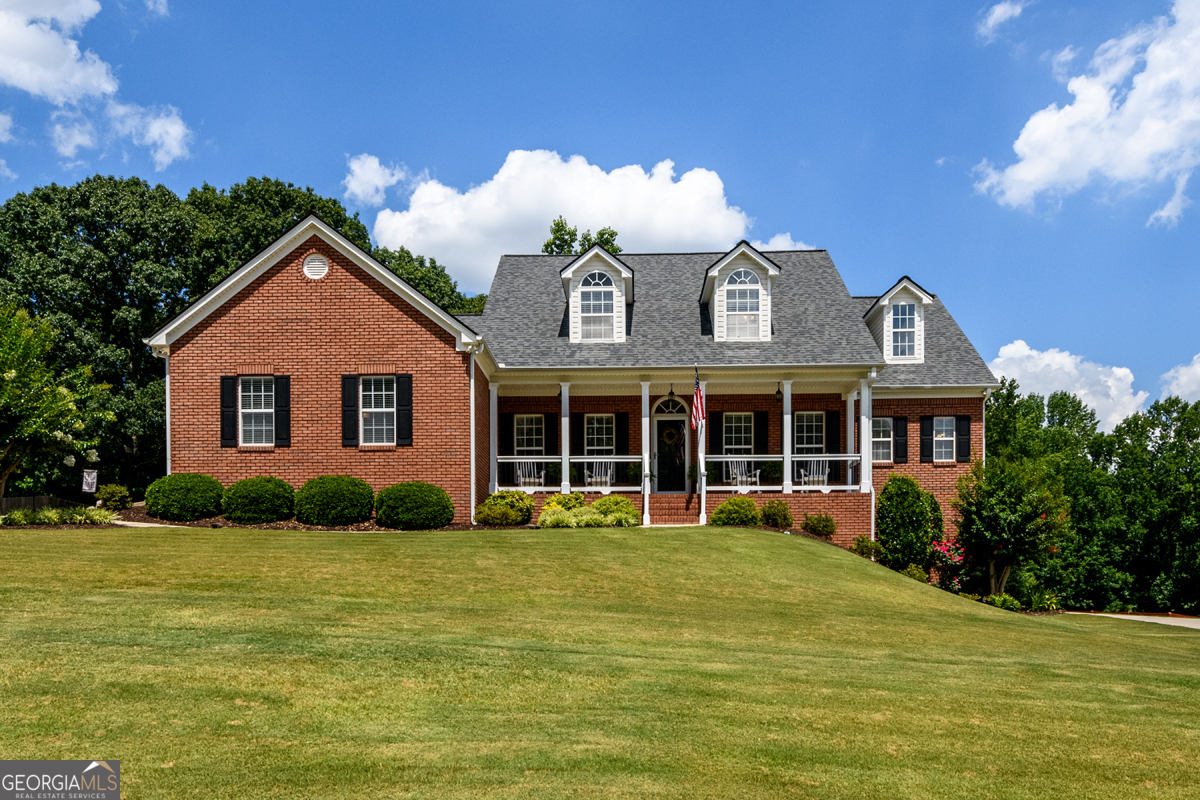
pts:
pixel 670 466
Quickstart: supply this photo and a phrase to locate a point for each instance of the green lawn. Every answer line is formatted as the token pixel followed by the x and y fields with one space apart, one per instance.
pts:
pixel 683 663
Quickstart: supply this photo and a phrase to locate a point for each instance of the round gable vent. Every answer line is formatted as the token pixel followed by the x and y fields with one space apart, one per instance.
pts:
pixel 315 267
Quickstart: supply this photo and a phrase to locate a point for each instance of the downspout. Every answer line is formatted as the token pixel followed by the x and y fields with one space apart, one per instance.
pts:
pixel 471 472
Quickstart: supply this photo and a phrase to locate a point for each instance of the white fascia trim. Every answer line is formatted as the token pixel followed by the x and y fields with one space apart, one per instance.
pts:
pixel 569 270
pixel 742 248
pixel 244 276
pixel 905 283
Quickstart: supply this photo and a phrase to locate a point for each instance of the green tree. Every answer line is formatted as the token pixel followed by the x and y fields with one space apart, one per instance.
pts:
pixel 431 279
pixel 908 520
pixel 563 238
pixel 1010 513
pixel 42 413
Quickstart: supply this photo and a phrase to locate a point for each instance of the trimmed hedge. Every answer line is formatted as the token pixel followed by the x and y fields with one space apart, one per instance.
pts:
pixel 184 497
pixel 497 515
pixel 518 504
pixel 821 525
pixel 776 514
pixel 413 506
pixel 257 500
pixel 737 511
pixel 567 502
pixel 334 500
pixel 114 497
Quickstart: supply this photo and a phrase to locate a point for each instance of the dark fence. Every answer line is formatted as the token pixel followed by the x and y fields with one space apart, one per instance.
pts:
pixel 8 504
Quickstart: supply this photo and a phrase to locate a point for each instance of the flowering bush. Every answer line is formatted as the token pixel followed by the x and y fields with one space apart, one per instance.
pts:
pixel 950 563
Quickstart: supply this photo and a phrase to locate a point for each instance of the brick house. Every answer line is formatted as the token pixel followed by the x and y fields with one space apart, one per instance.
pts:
pixel 312 359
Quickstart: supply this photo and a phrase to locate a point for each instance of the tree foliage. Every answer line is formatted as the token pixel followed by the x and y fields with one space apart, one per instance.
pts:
pixel 908 520
pixel 430 279
pixel 563 239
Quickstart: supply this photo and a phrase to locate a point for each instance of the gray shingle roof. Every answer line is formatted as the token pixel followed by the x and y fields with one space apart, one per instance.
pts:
pixel 815 320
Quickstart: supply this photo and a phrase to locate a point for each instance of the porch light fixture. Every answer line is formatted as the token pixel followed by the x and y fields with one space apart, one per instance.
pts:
pixel 671 394
pixel 779 393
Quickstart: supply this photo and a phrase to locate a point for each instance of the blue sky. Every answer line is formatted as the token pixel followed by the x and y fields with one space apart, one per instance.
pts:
pixel 882 132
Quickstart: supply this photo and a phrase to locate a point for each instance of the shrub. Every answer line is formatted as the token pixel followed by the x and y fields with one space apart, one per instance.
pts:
pixel 497 515
pixel 614 504
pixel 588 517
pixel 565 501
pixel 184 497
pixel 737 511
pixel 776 514
pixel 414 506
pixel 916 573
pixel 518 502
pixel 821 525
pixel 256 500
pixel 555 517
pixel 623 519
pixel 1043 600
pixel 905 523
pixel 974 597
pixel 333 500
pixel 48 516
pixel 1004 601
pixel 114 497
pixel 99 516
pixel 866 548
pixel 19 518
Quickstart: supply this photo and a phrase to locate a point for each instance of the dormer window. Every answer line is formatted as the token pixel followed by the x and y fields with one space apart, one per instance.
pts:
pixel 904 330
pixel 742 305
pixel 596 307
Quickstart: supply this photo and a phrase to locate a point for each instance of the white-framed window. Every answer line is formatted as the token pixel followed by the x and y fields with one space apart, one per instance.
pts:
pixel 257 414
pixel 739 433
pixel 600 434
pixel 881 439
pixel 742 305
pixel 904 330
pixel 596 307
pixel 809 432
pixel 943 438
pixel 378 409
pixel 530 434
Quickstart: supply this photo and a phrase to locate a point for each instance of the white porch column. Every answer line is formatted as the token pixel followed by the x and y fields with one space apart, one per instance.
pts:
pixel 493 437
pixel 864 432
pixel 566 437
pixel 787 437
pixel 645 452
pixel 849 433
pixel 701 474
pixel 167 389
pixel 473 471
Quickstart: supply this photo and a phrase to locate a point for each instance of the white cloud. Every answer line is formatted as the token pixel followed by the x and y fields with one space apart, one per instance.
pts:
pixel 1135 121
pixel 38 55
pixel 70 133
pixel 1183 381
pixel 158 7
pixel 1109 390
pixel 160 129
pixel 368 179
pixel 5 172
pixel 511 212
pixel 1060 63
pixel 781 241
pixel 999 14
pixel 6 123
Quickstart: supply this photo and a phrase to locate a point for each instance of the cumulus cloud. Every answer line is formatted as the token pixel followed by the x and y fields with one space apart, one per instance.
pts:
pixel 511 213
pixel 1109 390
pixel 158 7
pixel 160 129
pixel 368 179
pixel 999 14
pixel 1135 121
pixel 5 172
pixel 781 241
pixel 38 55
pixel 6 123
pixel 1183 381
pixel 70 133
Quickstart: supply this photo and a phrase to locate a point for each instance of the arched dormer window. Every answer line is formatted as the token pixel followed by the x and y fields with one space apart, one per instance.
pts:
pixel 596 307
pixel 742 305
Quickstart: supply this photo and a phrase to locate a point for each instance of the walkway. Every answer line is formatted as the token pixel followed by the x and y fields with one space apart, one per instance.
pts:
pixel 1183 622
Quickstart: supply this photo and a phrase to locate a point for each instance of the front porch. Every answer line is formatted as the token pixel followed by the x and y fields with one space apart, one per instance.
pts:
pixel 765 436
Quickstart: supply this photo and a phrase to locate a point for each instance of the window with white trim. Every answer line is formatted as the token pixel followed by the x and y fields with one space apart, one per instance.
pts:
pixel 943 438
pixel 742 305
pixel 739 433
pixel 881 439
pixel 904 330
pixel 378 410
pixel 809 432
pixel 530 434
pixel 257 416
pixel 596 307
pixel 600 434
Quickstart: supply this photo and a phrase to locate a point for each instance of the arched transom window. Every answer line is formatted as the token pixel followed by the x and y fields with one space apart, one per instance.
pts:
pixel 671 405
pixel 742 305
pixel 596 307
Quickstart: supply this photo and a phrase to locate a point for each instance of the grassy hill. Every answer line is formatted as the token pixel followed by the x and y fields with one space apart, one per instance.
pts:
pixel 662 662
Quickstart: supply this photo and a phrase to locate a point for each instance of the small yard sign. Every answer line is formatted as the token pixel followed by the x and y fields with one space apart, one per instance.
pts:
pixel 89 480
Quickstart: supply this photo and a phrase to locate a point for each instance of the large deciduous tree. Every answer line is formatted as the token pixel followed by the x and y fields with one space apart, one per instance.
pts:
pixel 563 238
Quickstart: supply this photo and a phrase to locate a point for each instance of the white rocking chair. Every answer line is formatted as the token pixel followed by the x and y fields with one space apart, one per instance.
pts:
pixel 815 472
pixel 740 473
pixel 598 473
pixel 530 474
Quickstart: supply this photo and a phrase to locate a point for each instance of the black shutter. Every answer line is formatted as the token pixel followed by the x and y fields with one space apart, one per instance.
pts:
pixel 283 411
pixel 507 435
pixel 926 440
pixel 550 429
pixel 229 431
pixel 716 434
pixel 621 427
pixel 833 437
pixel 962 437
pixel 349 411
pixel 899 440
pixel 404 411
pixel 761 426
pixel 577 434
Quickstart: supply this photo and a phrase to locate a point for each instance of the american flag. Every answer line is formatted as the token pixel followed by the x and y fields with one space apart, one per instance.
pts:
pixel 697 404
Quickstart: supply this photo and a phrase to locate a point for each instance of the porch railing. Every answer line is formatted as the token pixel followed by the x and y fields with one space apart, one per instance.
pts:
pixel 588 473
pixel 823 473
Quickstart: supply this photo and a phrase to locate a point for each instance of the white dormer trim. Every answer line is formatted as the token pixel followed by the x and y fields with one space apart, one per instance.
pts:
pixel 743 256
pixel 587 262
pixel 742 248
pixel 880 318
